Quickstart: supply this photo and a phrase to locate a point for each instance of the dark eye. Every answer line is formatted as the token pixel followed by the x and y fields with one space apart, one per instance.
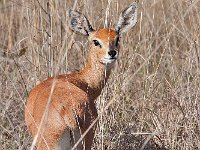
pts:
pixel 96 43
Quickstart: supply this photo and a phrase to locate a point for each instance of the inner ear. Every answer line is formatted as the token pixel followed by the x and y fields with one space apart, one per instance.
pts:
pixel 79 23
pixel 127 18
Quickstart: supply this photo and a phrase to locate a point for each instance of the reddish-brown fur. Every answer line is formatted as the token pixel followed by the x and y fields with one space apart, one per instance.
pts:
pixel 72 104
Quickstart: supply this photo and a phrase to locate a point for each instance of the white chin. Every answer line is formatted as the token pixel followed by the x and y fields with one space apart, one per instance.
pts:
pixel 108 61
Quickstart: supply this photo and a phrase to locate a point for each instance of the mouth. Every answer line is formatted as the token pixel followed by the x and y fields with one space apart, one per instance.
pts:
pixel 108 60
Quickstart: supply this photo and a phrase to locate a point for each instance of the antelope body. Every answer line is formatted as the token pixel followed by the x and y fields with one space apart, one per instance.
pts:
pixel 60 109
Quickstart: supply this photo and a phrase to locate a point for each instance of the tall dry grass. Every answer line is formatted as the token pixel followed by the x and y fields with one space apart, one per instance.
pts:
pixel 154 89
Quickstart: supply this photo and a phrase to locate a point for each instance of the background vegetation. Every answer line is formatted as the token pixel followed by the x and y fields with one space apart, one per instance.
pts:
pixel 153 92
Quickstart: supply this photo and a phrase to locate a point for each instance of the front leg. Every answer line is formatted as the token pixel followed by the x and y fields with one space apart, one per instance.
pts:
pixel 83 123
pixel 89 138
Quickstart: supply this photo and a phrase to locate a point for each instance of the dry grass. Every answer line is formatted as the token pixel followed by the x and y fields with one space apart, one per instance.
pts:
pixel 154 89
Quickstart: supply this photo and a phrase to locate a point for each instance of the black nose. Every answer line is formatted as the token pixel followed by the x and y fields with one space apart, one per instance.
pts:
pixel 112 53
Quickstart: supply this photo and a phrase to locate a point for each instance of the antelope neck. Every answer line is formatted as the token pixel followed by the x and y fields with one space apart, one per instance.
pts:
pixel 95 74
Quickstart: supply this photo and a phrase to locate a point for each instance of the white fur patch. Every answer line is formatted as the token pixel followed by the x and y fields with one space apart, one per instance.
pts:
pixel 67 140
pixel 64 141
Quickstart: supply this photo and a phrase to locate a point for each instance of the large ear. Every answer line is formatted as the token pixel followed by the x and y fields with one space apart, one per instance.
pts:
pixel 79 23
pixel 127 18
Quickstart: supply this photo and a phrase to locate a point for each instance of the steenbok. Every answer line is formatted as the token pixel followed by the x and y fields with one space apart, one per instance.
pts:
pixel 60 109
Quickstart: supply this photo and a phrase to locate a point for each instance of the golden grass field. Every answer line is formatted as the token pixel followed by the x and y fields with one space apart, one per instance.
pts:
pixel 152 98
